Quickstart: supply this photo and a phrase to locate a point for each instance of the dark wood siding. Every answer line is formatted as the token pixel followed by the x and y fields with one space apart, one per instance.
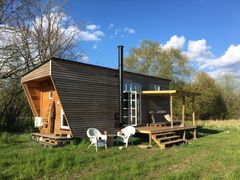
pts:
pixel 40 72
pixel 147 82
pixel 89 96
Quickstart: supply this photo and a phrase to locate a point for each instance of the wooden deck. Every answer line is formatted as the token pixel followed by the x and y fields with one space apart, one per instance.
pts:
pixel 166 135
pixel 51 139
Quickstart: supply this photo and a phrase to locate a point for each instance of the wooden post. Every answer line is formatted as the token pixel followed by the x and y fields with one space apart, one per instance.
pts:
pixel 150 140
pixel 184 134
pixel 171 113
pixel 193 109
pixel 195 134
pixel 183 110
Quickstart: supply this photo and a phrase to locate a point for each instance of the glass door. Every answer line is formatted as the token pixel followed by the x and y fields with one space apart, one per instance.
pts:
pixel 132 108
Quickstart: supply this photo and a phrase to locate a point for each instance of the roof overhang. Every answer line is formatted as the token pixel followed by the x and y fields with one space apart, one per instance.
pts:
pixel 159 92
pixel 168 93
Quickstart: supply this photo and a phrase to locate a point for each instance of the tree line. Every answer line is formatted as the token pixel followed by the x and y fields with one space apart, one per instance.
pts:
pixel 220 97
pixel 32 31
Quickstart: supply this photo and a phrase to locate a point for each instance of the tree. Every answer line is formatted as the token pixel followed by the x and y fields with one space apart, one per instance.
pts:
pixel 152 59
pixel 7 9
pixel 29 35
pixel 210 105
pixel 230 90
pixel 38 32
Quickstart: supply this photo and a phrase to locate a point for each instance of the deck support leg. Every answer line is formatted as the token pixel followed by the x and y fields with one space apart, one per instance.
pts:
pixel 171 111
pixel 193 109
pixel 184 134
pixel 183 111
pixel 150 140
pixel 195 134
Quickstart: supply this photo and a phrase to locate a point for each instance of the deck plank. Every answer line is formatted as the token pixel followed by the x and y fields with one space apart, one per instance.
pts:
pixel 154 130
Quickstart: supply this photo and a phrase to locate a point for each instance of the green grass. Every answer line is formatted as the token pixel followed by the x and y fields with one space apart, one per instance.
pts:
pixel 216 155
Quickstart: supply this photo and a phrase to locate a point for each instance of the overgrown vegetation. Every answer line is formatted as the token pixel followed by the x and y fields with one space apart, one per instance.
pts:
pixel 215 155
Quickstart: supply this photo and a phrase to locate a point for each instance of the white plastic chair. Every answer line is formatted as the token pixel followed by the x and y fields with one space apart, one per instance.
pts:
pixel 96 138
pixel 169 119
pixel 125 134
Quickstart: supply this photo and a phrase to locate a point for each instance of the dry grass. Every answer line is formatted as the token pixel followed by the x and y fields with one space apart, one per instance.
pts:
pixel 222 124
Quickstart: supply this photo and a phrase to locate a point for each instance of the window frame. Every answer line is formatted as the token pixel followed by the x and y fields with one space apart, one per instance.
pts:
pixel 50 95
pixel 62 126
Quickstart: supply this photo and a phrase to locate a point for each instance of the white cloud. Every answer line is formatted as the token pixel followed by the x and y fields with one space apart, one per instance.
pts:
pixel 200 54
pixel 98 33
pixel 88 36
pixel 94 46
pixel 84 58
pixel 129 30
pixel 229 62
pixel 61 21
pixel 230 57
pixel 91 33
pixel 92 27
pixel 110 26
pixel 123 31
pixel 117 31
pixel 175 42
pixel 199 51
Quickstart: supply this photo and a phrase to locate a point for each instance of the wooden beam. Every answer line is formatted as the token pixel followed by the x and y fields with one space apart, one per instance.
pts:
pixel 183 110
pixel 159 92
pixel 193 111
pixel 171 111
pixel 29 98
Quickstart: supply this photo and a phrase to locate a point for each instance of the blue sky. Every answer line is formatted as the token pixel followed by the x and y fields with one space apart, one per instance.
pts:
pixel 207 31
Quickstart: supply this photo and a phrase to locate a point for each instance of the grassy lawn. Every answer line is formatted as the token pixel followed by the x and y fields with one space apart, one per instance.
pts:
pixel 215 155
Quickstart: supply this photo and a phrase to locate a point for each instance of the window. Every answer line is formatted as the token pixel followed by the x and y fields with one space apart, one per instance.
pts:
pixel 131 86
pixel 157 87
pixel 50 94
pixel 64 124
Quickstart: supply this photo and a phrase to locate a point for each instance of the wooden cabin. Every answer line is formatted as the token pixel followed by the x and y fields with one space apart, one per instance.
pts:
pixel 68 97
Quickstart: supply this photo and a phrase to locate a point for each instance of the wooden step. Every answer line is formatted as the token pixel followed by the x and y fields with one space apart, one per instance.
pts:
pixel 164 134
pixel 163 145
pixel 168 137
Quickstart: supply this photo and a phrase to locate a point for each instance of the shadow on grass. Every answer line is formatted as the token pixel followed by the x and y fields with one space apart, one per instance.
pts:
pixel 140 139
pixel 201 131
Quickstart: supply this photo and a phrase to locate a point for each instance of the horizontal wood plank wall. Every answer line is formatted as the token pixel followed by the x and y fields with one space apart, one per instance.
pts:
pixel 40 72
pixel 88 94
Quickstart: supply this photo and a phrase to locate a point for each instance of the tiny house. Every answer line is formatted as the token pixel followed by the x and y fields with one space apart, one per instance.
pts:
pixel 68 97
